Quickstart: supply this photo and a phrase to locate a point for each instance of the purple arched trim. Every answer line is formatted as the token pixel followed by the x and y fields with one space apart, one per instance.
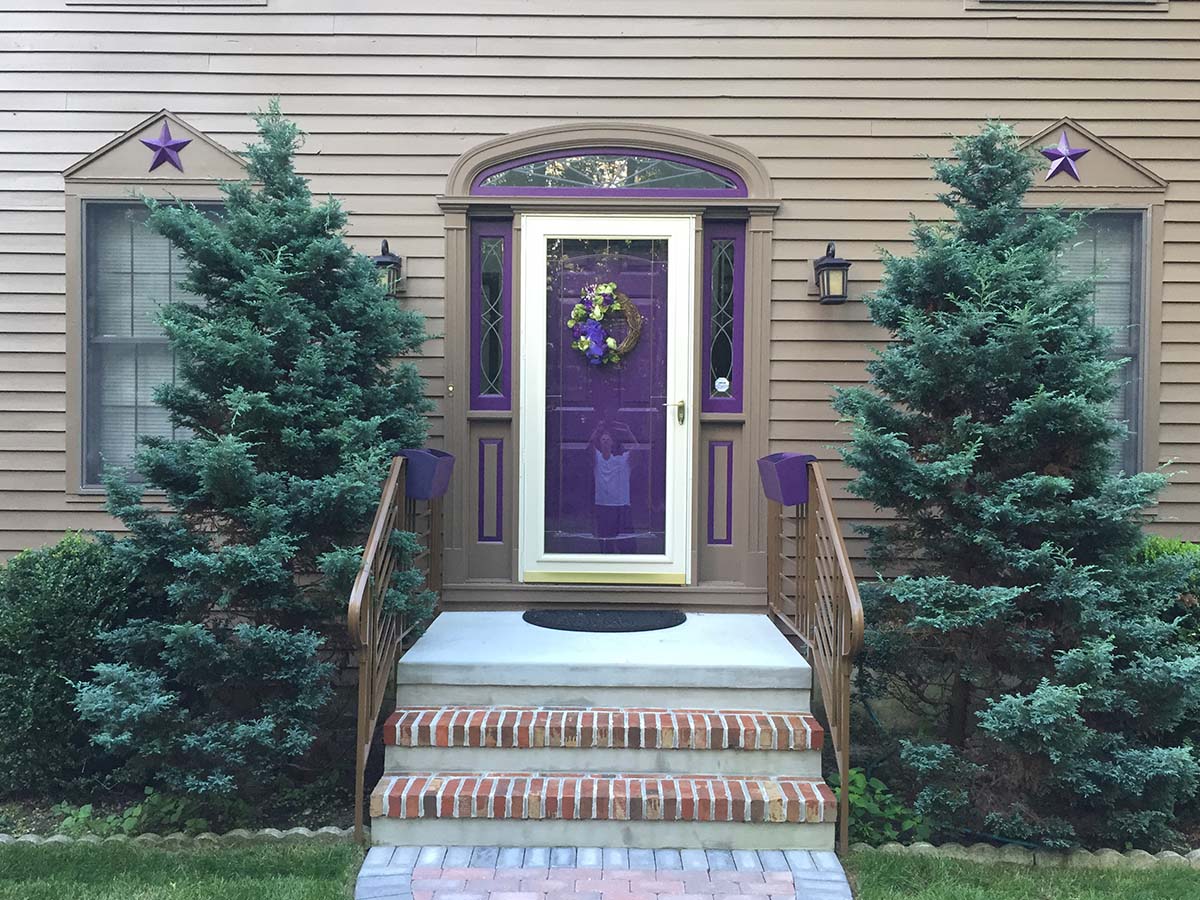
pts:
pixel 739 188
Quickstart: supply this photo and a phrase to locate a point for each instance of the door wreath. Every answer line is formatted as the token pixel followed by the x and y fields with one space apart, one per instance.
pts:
pixel 591 320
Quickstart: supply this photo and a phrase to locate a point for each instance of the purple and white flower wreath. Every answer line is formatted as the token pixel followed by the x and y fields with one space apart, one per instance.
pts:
pixel 589 324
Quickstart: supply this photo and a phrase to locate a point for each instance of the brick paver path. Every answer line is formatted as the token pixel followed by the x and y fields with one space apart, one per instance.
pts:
pixel 594 873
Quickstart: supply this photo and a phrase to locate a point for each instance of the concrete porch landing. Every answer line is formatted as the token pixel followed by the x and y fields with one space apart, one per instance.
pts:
pixel 474 655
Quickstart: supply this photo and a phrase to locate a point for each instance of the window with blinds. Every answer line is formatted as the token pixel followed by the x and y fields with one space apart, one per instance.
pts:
pixel 129 272
pixel 1109 248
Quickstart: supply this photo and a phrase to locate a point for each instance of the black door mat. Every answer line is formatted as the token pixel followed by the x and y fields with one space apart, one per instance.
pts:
pixel 607 620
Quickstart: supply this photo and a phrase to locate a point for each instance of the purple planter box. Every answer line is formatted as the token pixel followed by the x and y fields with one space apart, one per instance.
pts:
pixel 428 473
pixel 784 477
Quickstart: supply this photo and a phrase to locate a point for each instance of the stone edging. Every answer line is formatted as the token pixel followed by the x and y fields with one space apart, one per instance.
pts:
pixel 328 834
pixel 1075 859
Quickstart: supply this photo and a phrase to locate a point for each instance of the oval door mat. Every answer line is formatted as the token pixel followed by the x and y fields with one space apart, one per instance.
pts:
pixel 608 620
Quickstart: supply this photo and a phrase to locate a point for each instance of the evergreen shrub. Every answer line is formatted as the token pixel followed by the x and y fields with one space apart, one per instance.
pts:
pixel 54 601
pixel 291 402
pixel 1060 692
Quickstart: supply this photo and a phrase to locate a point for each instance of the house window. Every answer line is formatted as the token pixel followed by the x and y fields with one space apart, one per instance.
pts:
pixel 596 172
pixel 491 314
pixel 129 272
pixel 1069 5
pixel 724 277
pixel 1109 248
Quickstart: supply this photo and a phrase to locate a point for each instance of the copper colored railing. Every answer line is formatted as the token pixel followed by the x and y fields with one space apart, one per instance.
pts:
pixel 378 634
pixel 812 593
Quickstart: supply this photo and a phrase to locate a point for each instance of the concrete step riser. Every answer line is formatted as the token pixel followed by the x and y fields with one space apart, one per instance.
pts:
pixel 805 763
pixel 557 833
pixel 791 699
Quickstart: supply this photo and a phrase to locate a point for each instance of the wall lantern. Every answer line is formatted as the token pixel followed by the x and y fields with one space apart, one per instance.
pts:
pixel 391 271
pixel 832 275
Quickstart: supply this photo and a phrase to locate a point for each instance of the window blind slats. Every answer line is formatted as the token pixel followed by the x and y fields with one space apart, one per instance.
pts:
pixel 1114 308
pixel 1108 249
pixel 130 273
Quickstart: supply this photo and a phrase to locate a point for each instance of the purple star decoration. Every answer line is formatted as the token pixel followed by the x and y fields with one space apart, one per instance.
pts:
pixel 166 148
pixel 1062 158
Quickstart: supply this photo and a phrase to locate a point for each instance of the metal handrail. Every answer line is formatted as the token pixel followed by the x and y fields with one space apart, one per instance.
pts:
pixel 377 633
pixel 818 602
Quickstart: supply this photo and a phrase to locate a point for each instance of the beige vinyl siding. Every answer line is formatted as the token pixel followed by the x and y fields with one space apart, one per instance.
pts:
pixel 840 100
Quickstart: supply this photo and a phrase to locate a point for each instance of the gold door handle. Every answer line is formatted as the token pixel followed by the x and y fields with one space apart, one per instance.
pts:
pixel 680 410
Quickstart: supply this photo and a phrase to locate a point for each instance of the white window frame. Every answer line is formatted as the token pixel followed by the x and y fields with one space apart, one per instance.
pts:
pixel 78 195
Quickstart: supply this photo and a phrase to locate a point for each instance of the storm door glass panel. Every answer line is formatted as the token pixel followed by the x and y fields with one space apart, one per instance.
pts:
pixel 606 424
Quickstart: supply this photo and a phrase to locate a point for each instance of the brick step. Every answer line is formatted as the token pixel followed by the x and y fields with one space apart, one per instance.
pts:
pixel 579 797
pixel 527 727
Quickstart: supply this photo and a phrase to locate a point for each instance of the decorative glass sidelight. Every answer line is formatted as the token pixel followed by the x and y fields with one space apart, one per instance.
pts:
pixel 593 172
pixel 606 426
pixel 724 271
pixel 491 314
pixel 720 317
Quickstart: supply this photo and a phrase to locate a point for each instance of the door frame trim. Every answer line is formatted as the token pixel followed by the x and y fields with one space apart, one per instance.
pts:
pixel 674 566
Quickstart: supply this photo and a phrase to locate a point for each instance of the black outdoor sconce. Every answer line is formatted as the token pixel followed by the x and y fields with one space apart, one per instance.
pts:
pixel 391 271
pixel 832 276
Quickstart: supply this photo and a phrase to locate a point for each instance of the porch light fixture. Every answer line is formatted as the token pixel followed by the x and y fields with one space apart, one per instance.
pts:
pixel 832 275
pixel 391 270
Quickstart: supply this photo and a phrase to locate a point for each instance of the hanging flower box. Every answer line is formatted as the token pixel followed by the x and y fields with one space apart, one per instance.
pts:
pixel 784 477
pixel 427 472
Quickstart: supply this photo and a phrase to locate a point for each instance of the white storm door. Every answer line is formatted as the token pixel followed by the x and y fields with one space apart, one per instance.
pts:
pixel 606 473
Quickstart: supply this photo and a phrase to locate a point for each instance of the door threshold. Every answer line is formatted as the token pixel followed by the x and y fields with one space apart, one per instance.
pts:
pixel 710 596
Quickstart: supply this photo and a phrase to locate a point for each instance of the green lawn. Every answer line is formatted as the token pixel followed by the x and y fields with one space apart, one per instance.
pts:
pixel 108 872
pixel 885 876
pixel 326 872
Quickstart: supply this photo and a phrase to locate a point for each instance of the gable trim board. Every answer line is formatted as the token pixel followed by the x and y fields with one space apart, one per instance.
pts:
pixel 1120 172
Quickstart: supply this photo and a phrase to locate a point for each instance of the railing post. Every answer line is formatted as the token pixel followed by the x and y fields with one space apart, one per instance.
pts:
pixel 842 736
pixel 774 555
pixel 436 541
pixel 362 742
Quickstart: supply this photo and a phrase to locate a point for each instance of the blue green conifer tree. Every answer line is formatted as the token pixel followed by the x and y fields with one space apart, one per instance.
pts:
pixel 292 403
pixel 1061 700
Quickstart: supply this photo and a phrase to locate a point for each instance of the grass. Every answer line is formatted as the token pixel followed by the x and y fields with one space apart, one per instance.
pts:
pixel 122 872
pixel 885 876
pixel 326 872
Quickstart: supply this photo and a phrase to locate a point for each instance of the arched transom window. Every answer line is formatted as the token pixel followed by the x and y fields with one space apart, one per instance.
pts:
pixel 598 171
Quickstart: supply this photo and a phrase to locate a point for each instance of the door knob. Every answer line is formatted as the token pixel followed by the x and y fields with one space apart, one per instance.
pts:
pixel 680 410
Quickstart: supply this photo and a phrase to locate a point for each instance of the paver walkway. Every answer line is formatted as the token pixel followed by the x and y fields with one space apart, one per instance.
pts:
pixel 595 873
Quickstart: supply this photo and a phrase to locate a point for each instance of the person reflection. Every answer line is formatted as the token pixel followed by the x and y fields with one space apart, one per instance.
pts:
pixel 610 468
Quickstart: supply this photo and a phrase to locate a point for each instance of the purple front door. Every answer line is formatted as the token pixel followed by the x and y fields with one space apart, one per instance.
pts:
pixel 606 424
